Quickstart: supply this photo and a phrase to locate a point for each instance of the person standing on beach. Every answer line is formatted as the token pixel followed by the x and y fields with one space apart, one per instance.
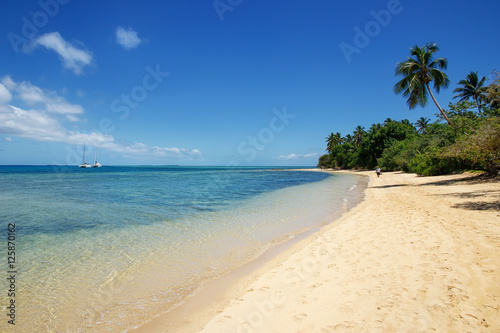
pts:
pixel 378 171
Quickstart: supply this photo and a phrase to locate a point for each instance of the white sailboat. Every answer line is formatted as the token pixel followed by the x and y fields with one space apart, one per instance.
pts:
pixel 84 164
pixel 96 164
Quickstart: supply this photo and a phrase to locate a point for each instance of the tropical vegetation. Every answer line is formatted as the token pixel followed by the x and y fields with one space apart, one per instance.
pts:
pixel 469 139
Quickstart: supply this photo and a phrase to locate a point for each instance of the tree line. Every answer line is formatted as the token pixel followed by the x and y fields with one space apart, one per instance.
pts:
pixel 466 136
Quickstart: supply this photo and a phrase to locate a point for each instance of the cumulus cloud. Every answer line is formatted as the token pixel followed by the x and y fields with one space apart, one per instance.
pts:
pixel 5 94
pixel 43 120
pixel 127 38
pixel 34 96
pixel 72 57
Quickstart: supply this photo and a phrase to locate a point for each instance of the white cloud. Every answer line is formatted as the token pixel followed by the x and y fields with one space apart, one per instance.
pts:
pixel 34 96
pixel 127 38
pixel 72 118
pixel 8 139
pixel 288 157
pixel 72 57
pixel 44 118
pixel 5 94
pixel 140 149
pixel 29 124
pixel 297 156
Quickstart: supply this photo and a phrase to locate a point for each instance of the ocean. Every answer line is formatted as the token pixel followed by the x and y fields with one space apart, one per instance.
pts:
pixel 106 249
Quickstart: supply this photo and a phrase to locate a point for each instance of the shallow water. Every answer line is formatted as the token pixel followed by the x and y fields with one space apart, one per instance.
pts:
pixel 107 249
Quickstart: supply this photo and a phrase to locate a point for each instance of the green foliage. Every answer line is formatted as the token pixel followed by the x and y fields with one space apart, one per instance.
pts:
pixel 332 141
pixel 473 142
pixel 325 161
pixel 380 137
pixel 398 155
pixel 431 164
pixel 480 148
pixel 492 93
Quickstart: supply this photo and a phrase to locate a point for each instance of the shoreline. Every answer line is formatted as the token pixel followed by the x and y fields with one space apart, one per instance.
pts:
pixel 416 254
pixel 197 310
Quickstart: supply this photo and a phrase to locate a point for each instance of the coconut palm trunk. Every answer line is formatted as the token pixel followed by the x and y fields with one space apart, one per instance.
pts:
pixel 437 104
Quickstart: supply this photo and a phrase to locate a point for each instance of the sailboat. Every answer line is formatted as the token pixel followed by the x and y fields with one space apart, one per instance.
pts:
pixel 96 164
pixel 84 164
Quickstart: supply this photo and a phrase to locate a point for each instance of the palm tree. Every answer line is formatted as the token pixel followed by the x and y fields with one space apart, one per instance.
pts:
pixel 472 88
pixel 492 92
pixel 422 124
pixel 406 122
pixel 359 133
pixel 418 72
pixel 332 141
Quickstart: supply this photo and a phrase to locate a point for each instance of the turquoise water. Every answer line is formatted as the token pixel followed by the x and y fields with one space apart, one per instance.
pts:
pixel 110 248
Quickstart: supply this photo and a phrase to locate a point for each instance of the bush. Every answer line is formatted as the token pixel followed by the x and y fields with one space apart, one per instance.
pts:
pixel 432 164
pixel 480 149
pixel 325 161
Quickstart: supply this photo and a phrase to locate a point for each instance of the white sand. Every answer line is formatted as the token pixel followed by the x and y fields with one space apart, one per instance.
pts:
pixel 414 256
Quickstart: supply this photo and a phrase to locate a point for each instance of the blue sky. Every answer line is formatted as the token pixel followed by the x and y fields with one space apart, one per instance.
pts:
pixel 229 82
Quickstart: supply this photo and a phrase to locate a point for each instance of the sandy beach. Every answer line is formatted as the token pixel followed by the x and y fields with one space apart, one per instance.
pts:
pixel 418 254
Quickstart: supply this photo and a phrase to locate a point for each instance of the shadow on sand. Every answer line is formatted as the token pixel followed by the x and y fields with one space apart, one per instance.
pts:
pixel 493 205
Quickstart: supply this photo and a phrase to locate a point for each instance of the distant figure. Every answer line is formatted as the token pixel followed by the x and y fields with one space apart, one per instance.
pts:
pixel 378 171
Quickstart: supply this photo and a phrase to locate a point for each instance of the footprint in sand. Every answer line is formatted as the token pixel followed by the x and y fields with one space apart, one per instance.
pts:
pixel 316 285
pixel 347 307
pixel 328 329
pixel 345 324
pixel 299 317
pixel 422 294
pixel 365 292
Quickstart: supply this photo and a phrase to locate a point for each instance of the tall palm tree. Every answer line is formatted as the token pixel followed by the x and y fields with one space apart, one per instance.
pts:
pixel 359 133
pixel 422 124
pixel 332 141
pixel 418 71
pixel 472 88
